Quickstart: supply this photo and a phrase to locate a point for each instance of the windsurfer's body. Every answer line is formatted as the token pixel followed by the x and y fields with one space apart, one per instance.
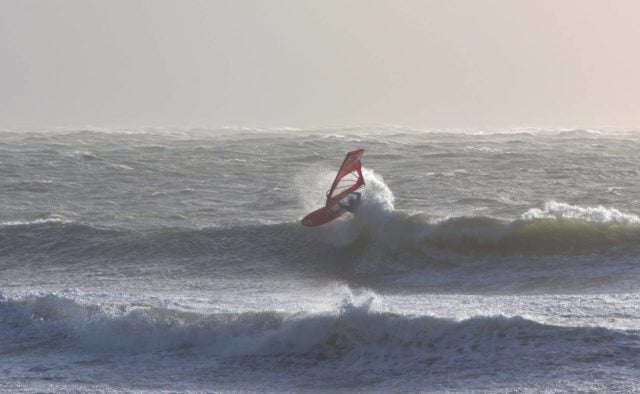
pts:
pixel 352 202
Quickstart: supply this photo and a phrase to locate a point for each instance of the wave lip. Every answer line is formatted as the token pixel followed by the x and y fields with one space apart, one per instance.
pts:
pixel 599 214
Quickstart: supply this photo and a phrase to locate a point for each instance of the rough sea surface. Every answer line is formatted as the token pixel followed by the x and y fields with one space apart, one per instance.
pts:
pixel 173 260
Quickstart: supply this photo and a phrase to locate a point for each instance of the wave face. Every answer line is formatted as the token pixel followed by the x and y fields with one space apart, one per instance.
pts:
pixel 173 260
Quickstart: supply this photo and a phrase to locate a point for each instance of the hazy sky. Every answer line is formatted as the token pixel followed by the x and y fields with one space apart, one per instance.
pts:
pixel 423 63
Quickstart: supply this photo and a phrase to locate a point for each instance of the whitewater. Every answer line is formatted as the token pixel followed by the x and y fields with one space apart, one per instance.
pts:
pixel 164 260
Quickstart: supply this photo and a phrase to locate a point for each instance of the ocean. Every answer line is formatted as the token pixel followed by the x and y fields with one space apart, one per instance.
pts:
pixel 164 260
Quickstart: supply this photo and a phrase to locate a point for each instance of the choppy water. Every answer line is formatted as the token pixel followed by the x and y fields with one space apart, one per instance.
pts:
pixel 173 260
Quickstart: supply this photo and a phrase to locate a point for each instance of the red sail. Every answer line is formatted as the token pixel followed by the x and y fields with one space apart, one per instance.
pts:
pixel 348 179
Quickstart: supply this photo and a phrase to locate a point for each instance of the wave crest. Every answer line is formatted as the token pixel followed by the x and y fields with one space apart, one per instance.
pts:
pixel 598 215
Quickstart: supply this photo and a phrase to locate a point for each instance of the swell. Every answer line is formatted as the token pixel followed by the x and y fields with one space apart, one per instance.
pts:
pixel 53 324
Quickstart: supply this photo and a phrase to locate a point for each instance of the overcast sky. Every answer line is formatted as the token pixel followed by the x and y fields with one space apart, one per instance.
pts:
pixel 422 63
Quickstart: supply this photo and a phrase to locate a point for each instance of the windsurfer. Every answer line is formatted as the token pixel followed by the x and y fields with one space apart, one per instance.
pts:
pixel 352 202
pixel 342 196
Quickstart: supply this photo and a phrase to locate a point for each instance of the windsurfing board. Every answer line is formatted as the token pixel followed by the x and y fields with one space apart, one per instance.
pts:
pixel 323 215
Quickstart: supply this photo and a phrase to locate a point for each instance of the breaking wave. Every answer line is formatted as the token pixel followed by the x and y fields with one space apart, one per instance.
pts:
pixel 558 228
pixel 355 330
pixel 597 215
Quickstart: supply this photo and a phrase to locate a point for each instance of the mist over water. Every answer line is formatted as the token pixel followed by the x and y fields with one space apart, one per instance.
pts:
pixel 174 260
